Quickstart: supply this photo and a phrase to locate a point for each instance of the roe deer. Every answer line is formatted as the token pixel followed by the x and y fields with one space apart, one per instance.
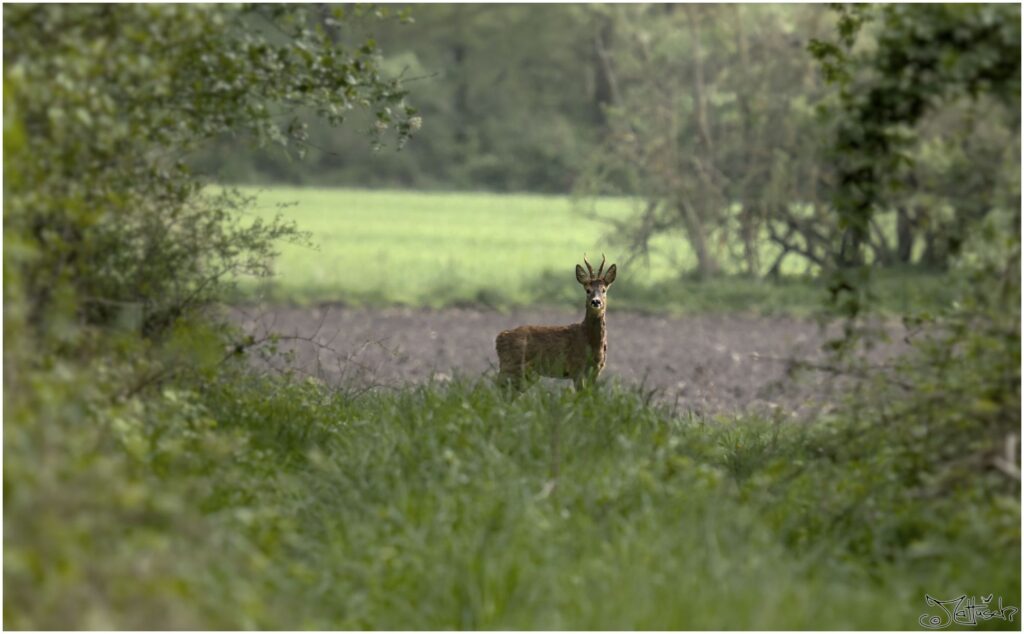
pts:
pixel 576 351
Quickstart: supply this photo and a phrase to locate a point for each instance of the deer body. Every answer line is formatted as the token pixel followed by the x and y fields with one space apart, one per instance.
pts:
pixel 577 351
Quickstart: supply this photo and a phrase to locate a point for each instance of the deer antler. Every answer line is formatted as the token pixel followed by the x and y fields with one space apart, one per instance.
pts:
pixel 601 268
pixel 589 268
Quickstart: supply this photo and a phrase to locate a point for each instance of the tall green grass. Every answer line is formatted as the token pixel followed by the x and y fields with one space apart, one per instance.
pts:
pixel 250 503
pixel 454 506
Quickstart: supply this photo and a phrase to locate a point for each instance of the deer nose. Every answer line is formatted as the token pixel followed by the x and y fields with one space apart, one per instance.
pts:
pixel 596 303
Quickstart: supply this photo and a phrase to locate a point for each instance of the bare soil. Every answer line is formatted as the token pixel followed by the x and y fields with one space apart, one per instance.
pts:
pixel 707 364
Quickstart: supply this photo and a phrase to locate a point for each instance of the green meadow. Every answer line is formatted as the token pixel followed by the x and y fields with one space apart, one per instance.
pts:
pixel 435 248
pixel 390 247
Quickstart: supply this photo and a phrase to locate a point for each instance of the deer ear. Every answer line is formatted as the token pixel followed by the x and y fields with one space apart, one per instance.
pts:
pixel 581 276
pixel 609 275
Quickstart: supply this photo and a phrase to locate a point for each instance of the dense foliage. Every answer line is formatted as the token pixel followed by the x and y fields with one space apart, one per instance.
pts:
pixel 962 383
pixel 113 249
pixel 105 102
pixel 923 58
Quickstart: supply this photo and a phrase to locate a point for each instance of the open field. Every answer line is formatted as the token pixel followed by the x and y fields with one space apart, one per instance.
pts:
pixel 419 248
pixel 708 365
pixel 501 250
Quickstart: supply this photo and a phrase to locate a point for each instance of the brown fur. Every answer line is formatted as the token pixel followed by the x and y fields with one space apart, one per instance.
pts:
pixel 577 351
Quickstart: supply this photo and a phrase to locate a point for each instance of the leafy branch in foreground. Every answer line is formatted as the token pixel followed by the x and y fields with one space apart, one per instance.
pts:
pixel 113 248
pixel 105 104
pixel 951 407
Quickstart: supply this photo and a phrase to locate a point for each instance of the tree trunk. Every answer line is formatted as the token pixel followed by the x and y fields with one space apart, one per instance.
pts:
pixel 606 89
pixel 748 212
pixel 879 245
pixel 776 269
pixel 851 251
pixel 707 264
pixel 904 236
pixel 936 253
pixel 699 89
pixel 693 221
pixel 461 97
pixel 748 232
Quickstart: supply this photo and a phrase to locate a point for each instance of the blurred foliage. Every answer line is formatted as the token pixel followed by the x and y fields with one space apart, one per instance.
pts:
pixel 105 101
pixel 951 407
pixel 723 126
pixel 925 68
pixel 506 92
pixel 113 251
pixel 713 124
pixel 920 63
pixel 920 58
pixel 449 506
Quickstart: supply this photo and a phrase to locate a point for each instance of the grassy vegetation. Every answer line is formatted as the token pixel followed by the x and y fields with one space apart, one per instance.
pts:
pixel 429 248
pixel 432 249
pixel 451 506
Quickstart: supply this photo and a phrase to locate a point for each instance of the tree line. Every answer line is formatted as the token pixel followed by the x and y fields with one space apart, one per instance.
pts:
pixel 716 117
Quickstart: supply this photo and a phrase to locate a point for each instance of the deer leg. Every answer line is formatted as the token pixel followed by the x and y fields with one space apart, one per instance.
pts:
pixel 511 377
pixel 581 380
pixel 586 378
pixel 513 380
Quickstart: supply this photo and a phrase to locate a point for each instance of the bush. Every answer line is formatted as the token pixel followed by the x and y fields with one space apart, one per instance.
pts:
pixel 113 252
pixel 102 104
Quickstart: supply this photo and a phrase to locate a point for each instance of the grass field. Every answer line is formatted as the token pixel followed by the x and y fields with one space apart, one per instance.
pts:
pixel 429 248
pixel 263 505
pixel 440 249
pixel 453 507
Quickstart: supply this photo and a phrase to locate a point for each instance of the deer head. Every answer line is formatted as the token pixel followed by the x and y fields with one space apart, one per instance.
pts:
pixel 596 286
